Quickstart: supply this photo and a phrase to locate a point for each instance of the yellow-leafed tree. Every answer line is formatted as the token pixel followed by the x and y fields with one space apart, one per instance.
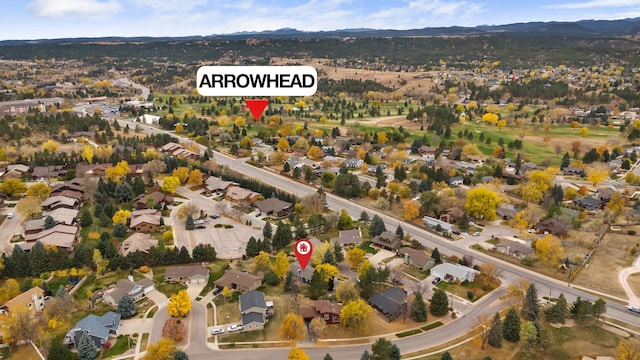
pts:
pixel 280 267
pixel 262 260
pixel 195 177
pixel 179 304
pixel 118 172
pixel 327 271
pixel 39 190
pixel 121 216
pixel 597 174
pixel 356 257
pixel 9 289
pixel 51 146
pixel 411 210
pixel 549 249
pixel 170 184
pixel 182 173
pixel 628 350
pixel 356 315
pixel 315 152
pixel 87 153
pixel 482 203
pixel 162 350
pixel 293 327
pixel 297 354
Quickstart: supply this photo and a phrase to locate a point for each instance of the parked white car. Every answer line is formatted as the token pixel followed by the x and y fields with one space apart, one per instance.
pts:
pixel 217 331
pixel 234 328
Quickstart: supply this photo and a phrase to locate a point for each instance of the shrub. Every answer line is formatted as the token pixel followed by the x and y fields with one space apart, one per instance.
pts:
pixel 94 235
pixel 144 269
pixel 470 294
pixel 227 226
pixel 528 261
pixel 431 326
pixel 271 279
pixel 167 236
pixel 631 232
pixel 218 225
pixel 408 333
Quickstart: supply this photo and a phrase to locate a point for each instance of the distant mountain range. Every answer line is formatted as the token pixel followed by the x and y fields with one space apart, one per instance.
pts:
pixel 583 28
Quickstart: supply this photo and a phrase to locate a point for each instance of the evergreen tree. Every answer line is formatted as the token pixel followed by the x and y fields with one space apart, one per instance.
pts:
pixel 365 355
pixel 123 193
pixel 495 332
pixel 531 309
pixel 558 311
pixel 289 283
pixel 446 356
pixel 180 355
pixel 511 326
pixel 400 231
pixel 105 220
pixel 38 262
pixel 338 253
pixel 582 311
pixel 266 246
pixel 435 255
pixel 317 286
pixel 364 217
pixel 439 303
pixel 120 230
pixel 189 224
pixel 282 237
pixel 106 246
pixel 86 347
pixel 253 248
pixel 49 222
pixel 377 226
pixel 463 222
pixel 86 219
pixel 418 308
pixel 267 230
pixel 126 307
pixel 384 349
pixel 327 357
pixel 328 258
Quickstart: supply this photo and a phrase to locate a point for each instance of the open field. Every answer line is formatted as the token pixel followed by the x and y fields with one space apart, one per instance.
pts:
pixel 566 343
pixel 612 255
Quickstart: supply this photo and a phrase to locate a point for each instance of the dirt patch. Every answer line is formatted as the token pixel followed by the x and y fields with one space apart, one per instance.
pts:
pixel 612 255
pixel 176 329
pixel 634 282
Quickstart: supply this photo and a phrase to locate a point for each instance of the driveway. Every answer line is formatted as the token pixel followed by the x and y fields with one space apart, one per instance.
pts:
pixel 157 297
pixel 135 326
pixel 8 228
pixel 229 243
pixel 634 300
pixel 376 259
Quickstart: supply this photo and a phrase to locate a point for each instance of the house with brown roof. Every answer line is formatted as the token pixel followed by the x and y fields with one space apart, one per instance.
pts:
pixel 61 236
pixel 32 299
pixel 57 202
pixel 514 248
pixel 157 197
pixel 387 240
pixel 352 237
pixel 145 223
pixel 551 226
pixel 328 310
pixel 15 171
pixel 238 194
pixel 47 172
pixel 416 258
pixel 92 169
pixel 179 151
pixel 192 274
pixel 274 207
pixel 67 185
pixel 63 215
pixel 138 242
pixel 216 185
pixel 240 280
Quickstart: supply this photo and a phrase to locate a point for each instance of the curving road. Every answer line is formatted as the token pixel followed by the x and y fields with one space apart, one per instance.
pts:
pixel 546 286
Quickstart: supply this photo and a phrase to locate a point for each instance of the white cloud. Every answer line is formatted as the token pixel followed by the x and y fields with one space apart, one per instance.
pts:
pixel 595 4
pixel 170 6
pixel 86 8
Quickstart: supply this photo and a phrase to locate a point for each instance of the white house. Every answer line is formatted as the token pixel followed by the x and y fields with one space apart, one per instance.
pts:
pixel 452 272
pixel 149 119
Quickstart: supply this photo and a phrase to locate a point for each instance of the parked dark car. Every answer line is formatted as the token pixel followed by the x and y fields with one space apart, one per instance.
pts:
pixel 436 281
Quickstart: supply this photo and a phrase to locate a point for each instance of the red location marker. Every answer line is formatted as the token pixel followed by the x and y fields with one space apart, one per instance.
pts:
pixel 303 249
pixel 256 106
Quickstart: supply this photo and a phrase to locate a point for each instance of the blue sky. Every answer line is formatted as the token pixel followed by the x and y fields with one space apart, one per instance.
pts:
pixel 38 19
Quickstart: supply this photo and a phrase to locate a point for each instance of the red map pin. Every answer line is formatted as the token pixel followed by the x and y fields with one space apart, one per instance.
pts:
pixel 256 106
pixel 303 249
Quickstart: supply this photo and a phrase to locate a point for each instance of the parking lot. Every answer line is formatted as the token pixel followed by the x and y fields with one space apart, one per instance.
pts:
pixel 229 243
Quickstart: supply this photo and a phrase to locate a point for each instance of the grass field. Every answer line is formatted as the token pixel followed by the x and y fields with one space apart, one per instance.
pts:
pixel 121 345
pixel 23 352
pixel 566 343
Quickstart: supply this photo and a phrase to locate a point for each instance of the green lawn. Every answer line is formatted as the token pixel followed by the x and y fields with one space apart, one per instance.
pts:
pixel 99 282
pixel 121 345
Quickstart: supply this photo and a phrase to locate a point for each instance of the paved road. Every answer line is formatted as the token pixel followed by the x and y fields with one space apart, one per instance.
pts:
pixel 8 228
pixel 509 272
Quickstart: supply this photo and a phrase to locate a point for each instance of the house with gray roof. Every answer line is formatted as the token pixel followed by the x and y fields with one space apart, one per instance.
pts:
pixel 193 274
pixel 136 290
pixel 416 258
pixel 433 224
pixel 392 303
pixel 302 275
pixel 99 328
pixel 352 237
pixel 253 310
pixel 274 207
pixel 452 272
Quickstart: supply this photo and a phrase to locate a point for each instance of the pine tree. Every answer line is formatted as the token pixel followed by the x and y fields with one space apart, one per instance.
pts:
pixel 338 253
pixel 400 232
pixel 180 355
pixel 511 326
pixel 126 307
pixel 282 237
pixel 267 230
pixel 365 355
pixel 435 255
pixel 289 283
pixel 495 332
pixel 439 303
pixel 418 309
pixel 253 248
pixel 558 312
pixel 377 226
pixel 446 356
pixel 86 347
pixel 120 230
pixel 384 349
pixel 189 224
pixel 86 219
pixel 59 351
pixel 328 258
pixel 49 222
pixel 364 217
pixel 531 309
pixel 328 357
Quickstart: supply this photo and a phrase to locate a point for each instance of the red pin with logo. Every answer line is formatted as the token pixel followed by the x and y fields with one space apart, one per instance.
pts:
pixel 303 250
pixel 256 106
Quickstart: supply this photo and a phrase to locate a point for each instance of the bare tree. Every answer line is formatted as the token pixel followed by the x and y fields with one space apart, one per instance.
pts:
pixel 174 329
pixel 186 210
pixel 90 188
pixel 483 322
pixel 516 291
